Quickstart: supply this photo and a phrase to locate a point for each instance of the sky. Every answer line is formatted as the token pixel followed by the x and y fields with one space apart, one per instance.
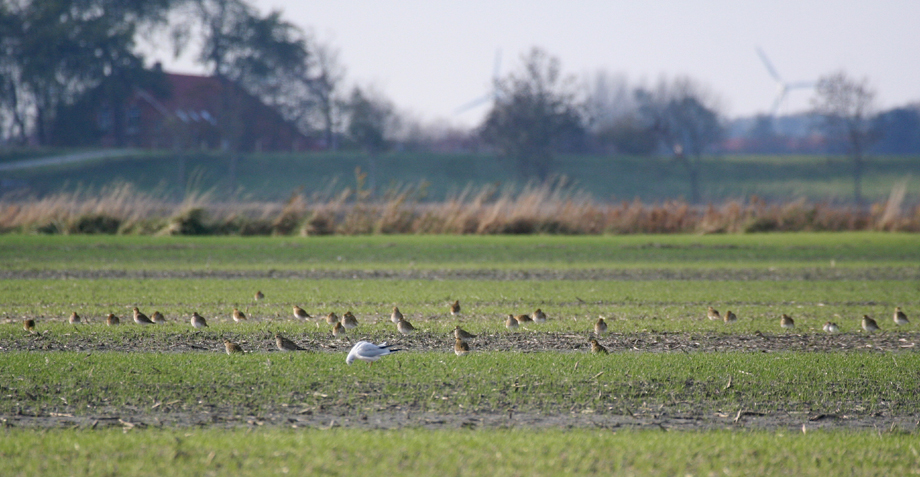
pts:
pixel 432 56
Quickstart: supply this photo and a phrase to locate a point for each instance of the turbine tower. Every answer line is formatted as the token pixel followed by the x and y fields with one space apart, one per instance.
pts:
pixel 783 87
pixel 492 95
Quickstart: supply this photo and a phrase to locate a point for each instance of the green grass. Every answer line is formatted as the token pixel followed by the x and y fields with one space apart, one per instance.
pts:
pixel 274 176
pixel 259 384
pixel 572 305
pixel 424 452
pixel 203 254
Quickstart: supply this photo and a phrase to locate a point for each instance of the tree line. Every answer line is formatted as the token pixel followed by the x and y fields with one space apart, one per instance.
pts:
pixel 54 53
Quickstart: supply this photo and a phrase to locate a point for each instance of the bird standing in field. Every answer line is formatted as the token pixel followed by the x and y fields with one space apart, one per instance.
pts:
pixel 369 352
pixel 349 321
pixel 238 315
pixel 786 322
pixel 461 348
pixel 596 348
pixel 198 321
pixel 285 344
pixel 158 318
pixel 28 325
pixel 259 296
pixel 713 314
pixel 539 316
pixel 523 319
pixel 332 318
pixel 461 334
pixel 511 323
pixel 405 327
pixel 141 318
pixel 338 330
pixel 300 314
pixel 831 327
pixel 600 327
pixel 232 347
pixel 396 315
pixel 112 320
pixel 74 318
pixel 730 317
pixel 899 317
pixel 455 308
pixel 869 324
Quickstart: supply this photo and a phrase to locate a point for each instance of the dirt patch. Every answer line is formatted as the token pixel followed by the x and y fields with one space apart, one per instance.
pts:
pixel 659 418
pixel 716 274
pixel 522 341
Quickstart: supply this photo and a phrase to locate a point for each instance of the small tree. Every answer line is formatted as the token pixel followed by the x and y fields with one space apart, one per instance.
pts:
pixel 846 106
pixel 686 120
pixel 536 115
pixel 371 121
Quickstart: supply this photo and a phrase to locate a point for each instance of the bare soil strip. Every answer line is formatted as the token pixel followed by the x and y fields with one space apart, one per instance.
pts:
pixel 522 341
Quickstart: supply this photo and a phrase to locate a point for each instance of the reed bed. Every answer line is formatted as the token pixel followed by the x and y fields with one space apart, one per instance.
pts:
pixel 534 209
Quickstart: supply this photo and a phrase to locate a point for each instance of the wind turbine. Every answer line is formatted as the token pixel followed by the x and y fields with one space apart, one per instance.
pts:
pixel 782 86
pixel 493 94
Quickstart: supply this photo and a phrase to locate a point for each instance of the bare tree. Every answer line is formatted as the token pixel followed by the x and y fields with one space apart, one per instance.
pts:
pixel 536 115
pixel 685 117
pixel 372 120
pixel 325 84
pixel 846 106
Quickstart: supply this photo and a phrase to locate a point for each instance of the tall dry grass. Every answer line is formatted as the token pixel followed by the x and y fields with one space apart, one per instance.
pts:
pixel 534 209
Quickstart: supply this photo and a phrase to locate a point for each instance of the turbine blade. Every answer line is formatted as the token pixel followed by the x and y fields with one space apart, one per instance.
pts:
pixel 801 85
pixel 768 65
pixel 475 103
pixel 777 102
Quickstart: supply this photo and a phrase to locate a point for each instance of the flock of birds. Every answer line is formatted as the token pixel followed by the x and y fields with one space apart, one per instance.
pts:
pixel 786 322
pixel 370 352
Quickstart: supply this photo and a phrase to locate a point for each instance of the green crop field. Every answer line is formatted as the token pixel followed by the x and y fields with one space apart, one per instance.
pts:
pixel 677 394
pixel 275 176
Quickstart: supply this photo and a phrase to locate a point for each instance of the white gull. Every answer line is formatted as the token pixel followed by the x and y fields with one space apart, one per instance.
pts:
pixel 370 352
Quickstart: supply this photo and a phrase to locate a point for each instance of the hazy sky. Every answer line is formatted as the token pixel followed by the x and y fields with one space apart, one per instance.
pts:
pixel 431 56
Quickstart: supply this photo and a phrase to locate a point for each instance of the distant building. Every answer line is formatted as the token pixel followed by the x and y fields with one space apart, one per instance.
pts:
pixel 189 112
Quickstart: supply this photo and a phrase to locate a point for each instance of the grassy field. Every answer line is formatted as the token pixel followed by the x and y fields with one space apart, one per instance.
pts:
pixel 679 394
pixel 389 253
pixel 275 176
pixel 424 452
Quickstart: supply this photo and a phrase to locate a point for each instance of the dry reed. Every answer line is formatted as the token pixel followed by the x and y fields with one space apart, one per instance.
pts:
pixel 401 210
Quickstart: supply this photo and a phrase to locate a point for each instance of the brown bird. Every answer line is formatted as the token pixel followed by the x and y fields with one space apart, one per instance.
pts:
pixel 460 347
pixel 112 320
pixel 332 318
pixel 338 330
pixel 259 295
pixel 238 315
pixel 28 325
pixel 730 317
pixel 300 314
pixel 285 344
pixel 158 317
pixel 198 321
pixel 899 317
pixel 455 308
pixel 522 319
pixel 405 327
pixel 231 347
pixel 869 324
pixel 831 327
pixel 786 322
pixel 539 316
pixel 349 320
pixel 600 327
pixel 461 334
pixel 596 348
pixel 511 323
pixel 713 314
pixel 141 318
pixel 74 318
pixel 396 315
